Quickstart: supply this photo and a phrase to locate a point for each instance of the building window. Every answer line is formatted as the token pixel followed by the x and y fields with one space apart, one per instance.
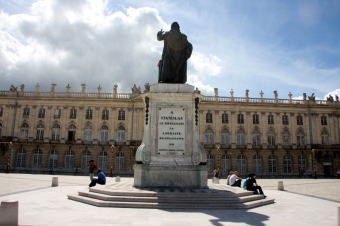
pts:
pixel 88 132
pixel 300 140
pixel 241 138
pixel 256 137
pixel 208 118
pixel 56 132
pixel 257 162
pixel 88 114
pixel 104 133
pixel 26 113
pixel 69 160
pixel 209 136
pixel 105 115
pixel 73 113
pixel 324 120
pixel 285 120
pixel 272 164
pixel 271 137
pixel 240 119
pixel 324 138
pixel 121 115
pixel 256 119
pixel 53 159
pixel 241 164
pixel 225 164
pixel 225 118
pixel 24 131
pixel 41 113
pixel 37 158
pixel 299 120
pixel 102 161
pixel 285 137
pixel 287 164
pixel 225 137
pixel 71 133
pixel 40 132
pixel 270 119
pixel 1 111
pixel 302 160
pixel 57 113
pixel 210 164
pixel 121 134
pixel 21 157
pixel 119 163
pixel 85 158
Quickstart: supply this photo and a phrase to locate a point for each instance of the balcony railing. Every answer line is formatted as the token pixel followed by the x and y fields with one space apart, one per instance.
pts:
pixel 267 100
pixel 130 95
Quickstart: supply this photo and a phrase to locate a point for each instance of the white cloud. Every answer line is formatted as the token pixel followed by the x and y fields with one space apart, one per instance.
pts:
pixel 75 42
pixel 333 93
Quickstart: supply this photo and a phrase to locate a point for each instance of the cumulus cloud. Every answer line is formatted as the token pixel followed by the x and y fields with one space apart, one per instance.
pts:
pixel 75 42
pixel 333 93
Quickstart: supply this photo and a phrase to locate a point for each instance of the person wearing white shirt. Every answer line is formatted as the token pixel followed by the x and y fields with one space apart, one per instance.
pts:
pixel 235 180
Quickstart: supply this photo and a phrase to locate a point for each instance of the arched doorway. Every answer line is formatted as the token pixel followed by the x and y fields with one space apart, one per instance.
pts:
pixel 327 165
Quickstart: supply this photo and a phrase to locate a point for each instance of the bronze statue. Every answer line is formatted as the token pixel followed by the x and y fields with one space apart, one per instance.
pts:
pixel 177 50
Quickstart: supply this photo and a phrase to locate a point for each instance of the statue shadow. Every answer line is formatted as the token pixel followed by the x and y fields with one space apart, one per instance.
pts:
pixel 228 216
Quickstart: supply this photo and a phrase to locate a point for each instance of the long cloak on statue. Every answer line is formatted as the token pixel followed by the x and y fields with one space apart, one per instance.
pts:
pixel 177 50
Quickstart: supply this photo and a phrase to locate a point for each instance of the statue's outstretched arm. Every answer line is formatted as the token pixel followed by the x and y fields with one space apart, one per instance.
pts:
pixel 160 35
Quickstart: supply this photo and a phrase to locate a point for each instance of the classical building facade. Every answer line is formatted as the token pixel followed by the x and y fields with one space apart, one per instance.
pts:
pixel 269 136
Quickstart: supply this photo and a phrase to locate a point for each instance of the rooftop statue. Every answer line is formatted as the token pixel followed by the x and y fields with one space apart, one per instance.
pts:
pixel 176 51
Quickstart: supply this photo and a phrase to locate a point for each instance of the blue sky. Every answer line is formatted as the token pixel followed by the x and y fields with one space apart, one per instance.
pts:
pixel 288 46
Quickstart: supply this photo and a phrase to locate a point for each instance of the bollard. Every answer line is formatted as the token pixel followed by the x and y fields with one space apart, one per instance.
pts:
pixel 117 179
pixel 338 216
pixel 280 185
pixel 54 181
pixel 216 181
pixel 9 212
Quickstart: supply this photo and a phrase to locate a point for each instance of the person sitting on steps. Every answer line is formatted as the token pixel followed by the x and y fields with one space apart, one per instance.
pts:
pixel 253 186
pixel 100 180
pixel 228 179
pixel 235 180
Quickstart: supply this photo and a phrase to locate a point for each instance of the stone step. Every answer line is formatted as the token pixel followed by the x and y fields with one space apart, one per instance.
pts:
pixel 171 198
pixel 212 205
pixel 186 193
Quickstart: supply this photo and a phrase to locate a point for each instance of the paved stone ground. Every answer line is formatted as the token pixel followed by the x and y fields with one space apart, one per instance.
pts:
pixel 322 188
pixel 41 204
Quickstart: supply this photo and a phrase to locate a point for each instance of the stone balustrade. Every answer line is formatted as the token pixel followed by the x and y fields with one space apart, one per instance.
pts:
pixel 129 95
pixel 267 100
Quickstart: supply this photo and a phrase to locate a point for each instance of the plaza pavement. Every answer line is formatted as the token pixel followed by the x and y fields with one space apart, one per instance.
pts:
pixel 304 202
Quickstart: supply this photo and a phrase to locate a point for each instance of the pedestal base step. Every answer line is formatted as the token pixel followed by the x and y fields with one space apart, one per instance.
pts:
pixel 216 197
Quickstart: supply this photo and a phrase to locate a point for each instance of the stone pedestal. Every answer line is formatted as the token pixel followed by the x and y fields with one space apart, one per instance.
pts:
pixel 171 155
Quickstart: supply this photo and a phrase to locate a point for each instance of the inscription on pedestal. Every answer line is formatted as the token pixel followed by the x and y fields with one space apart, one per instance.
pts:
pixel 171 131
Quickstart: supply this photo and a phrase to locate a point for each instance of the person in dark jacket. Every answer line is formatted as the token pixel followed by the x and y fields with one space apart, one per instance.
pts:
pixel 253 186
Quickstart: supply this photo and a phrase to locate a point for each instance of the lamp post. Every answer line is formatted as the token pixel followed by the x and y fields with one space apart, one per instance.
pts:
pixel 111 169
pixel 8 167
pixel 218 161
pixel 314 164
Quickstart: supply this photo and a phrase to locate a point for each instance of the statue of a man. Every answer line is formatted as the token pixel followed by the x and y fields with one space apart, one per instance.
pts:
pixel 177 50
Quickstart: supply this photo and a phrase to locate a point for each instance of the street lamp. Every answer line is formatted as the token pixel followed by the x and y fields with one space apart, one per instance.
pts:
pixel 218 161
pixel 8 168
pixel 111 169
pixel 314 164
